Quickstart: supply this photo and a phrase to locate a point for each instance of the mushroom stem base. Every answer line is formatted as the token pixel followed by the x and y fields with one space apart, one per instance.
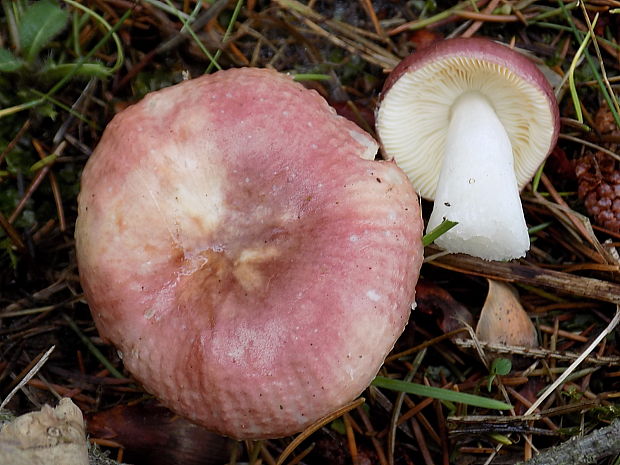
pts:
pixel 477 186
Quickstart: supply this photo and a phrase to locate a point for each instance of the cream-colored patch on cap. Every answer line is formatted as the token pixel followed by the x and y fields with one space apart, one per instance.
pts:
pixel 247 267
pixel 190 209
pixel 159 102
pixel 369 145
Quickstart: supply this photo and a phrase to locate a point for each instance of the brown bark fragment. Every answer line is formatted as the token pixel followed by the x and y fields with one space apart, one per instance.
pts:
pixel 601 443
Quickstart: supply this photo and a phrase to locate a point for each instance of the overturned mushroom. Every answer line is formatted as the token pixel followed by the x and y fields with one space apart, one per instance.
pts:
pixel 470 121
pixel 240 246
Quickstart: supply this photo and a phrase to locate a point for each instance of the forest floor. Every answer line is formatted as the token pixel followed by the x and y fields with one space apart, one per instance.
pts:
pixel 66 68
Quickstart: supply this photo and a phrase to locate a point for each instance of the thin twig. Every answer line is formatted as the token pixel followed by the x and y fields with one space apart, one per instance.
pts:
pixel 35 369
pixel 515 272
pixel 315 427
pixel 537 353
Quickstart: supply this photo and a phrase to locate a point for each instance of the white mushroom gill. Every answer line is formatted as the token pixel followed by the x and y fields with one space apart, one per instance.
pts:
pixel 477 186
pixel 413 117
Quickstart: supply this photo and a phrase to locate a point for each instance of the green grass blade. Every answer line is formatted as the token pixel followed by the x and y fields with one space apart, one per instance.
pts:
pixel 188 28
pixel 120 56
pixel 539 227
pixel 571 75
pixel 93 349
pixel 599 80
pixel 439 393
pixel 68 109
pixel 231 23
pixel 21 107
pixel 443 228
pixel 310 77
pixel 539 171
pixel 54 71
pixel 50 159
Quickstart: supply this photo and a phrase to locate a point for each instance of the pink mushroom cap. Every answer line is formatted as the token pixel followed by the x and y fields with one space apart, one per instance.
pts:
pixel 244 252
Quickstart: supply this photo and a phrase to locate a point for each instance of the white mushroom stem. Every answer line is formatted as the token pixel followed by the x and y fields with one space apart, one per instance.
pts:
pixel 477 185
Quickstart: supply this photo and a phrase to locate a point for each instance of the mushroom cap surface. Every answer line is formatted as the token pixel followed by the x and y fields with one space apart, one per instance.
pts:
pixel 414 111
pixel 244 252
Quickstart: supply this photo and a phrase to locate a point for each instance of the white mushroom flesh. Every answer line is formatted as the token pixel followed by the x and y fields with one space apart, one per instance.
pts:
pixel 477 186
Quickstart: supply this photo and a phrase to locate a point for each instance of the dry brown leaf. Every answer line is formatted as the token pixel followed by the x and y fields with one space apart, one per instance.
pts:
pixel 434 300
pixel 152 435
pixel 503 319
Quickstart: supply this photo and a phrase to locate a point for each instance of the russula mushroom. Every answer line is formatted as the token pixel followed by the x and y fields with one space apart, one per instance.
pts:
pixel 470 121
pixel 244 252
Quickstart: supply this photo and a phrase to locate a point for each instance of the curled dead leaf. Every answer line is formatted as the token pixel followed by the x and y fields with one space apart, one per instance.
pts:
pixel 503 319
pixel 152 435
pixel 449 313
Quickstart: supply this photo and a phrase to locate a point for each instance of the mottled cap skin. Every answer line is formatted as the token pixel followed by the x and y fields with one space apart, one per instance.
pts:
pixel 244 252
pixel 492 52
